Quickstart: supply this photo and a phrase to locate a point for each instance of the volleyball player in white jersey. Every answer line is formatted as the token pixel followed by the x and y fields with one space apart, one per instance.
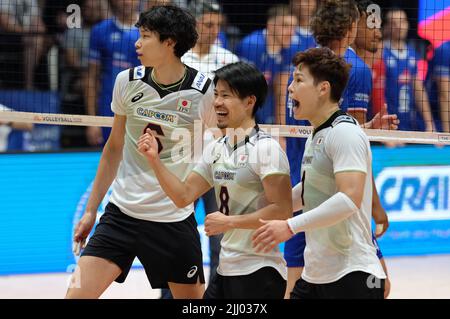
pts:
pixel 141 221
pixel 335 192
pixel 250 176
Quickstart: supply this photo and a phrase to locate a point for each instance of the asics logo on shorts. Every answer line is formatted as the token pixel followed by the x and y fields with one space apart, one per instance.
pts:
pixel 192 272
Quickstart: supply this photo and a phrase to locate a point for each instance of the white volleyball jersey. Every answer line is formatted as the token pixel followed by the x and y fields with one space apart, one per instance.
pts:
pixel 338 145
pixel 214 60
pixel 236 173
pixel 171 113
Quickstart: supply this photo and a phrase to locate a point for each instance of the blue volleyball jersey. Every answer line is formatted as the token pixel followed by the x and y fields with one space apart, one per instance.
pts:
pixel 401 70
pixel 303 39
pixel 253 49
pixel 439 67
pixel 356 96
pixel 112 46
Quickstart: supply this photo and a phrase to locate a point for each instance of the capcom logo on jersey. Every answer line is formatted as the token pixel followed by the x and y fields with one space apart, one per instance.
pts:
pixel 155 115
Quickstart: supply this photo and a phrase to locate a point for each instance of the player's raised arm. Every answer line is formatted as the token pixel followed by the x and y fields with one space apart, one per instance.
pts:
pixel 182 193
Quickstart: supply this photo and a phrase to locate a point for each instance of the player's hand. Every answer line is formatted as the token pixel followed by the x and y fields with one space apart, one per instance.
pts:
pixel 94 135
pixel 381 220
pixel 387 288
pixel 148 145
pixel 385 121
pixel 270 235
pixel 82 231
pixel 216 223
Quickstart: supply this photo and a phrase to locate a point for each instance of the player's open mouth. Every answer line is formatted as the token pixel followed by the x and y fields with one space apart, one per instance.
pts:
pixel 221 114
pixel 295 103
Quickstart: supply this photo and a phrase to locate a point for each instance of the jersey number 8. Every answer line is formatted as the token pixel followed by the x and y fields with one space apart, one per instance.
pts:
pixel 224 198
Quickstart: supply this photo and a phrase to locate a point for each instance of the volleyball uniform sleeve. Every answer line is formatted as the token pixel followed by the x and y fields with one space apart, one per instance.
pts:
pixel 268 158
pixel 204 164
pixel 118 103
pixel 347 147
pixel 206 109
pixel 356 96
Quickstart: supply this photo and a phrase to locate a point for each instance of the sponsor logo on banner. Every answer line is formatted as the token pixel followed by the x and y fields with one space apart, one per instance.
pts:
pixel 415 193
pixel 57 118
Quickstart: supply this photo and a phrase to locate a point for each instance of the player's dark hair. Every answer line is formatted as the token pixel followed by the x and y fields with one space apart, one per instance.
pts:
pixel 333 19
pixel 171 22
pixel 325 65
pixel 244 80
pixel 279 10
pixel 363 5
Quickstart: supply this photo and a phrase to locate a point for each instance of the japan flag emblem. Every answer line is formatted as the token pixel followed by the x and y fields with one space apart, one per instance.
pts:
pixel 184 105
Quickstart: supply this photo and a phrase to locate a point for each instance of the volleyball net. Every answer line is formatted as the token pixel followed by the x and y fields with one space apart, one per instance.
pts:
pixel 58 61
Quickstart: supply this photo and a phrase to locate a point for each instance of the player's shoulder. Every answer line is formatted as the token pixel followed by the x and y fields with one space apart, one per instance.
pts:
pixel 197 80
pixel 344 128
pixel 264 141
pixel 444 47
pixel 103 26
pixel 256 38
pixel 343 118
pixel 225 54
pixel 137 73
pixel 442 55
pixel 339 122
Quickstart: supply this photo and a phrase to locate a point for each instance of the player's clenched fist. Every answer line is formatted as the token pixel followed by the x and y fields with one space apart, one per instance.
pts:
pixel 148 145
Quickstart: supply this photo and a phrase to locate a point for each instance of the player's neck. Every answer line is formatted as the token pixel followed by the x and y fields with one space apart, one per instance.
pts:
pixel 127 19
pixel 273 47
pixel 339 47
pixel 201 49
pixel 324 113
pixel 365 55
pixel 303 22
pixel 169 72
